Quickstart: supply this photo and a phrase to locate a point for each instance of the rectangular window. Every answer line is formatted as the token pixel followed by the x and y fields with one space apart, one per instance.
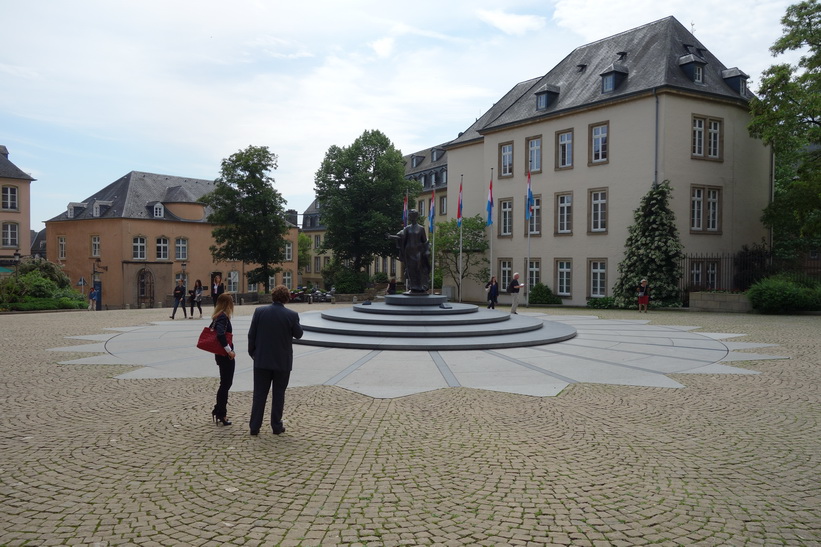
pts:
pixel 233 281
pixel 159 210
pixel 698 74
pixel 420 206
pixel 705 209
pixel 704 274
pixel 289 252
pixel 506 217
pixel 307 267
pixel 598 143
pixel 564 213
pixel 598 211
pixel 181 249
pixel 272 282
pixel 95 245
pixel 138 248
pixel 708 138
pixel 317 242
pixel 506 159
pixel 317 264
pixel 534 224
pixel 564 149
pixel 10 235
pixel 505 274
pixel 61 247
pixel 598 278
pixel 10 198
pixel 564 269
pixel 443 205
pixel 287 278
pixel 608 83
pixel 162 248
pixel 534 154
pixel 534 272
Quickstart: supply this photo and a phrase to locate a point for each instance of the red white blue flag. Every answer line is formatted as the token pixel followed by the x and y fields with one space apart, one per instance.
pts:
pixel 432 210
pixel 530 202
pixel 459 208
pixel 490 203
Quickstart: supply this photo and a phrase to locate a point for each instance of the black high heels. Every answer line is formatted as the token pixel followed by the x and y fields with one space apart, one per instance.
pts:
pixel 219 419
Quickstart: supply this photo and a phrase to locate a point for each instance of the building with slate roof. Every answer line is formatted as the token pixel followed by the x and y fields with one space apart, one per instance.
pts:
pixel 613 118
pixel 138 235
pixel 15 212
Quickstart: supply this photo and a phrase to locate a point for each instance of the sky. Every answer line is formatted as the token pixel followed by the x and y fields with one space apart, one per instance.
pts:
pixel 93 89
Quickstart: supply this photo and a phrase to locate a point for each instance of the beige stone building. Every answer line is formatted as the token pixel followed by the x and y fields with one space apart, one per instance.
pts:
pixel 141 233
pixel 15 212
pixel 595 133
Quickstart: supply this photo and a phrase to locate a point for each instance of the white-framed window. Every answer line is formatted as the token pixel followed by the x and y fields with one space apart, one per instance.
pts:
pixel 564 276
pixel 506 159
pixel 698 74
pixel 289 251
pixel 95 210
pixel 95 245
pixel 534 272
pixel 598 143
pixel 287 278
pixel 162 248
pixel 420 206
pixel 598 278
pixel 138 248
pixel 742 87
pixel 534 154
pixel 564 213
pixel 705 209
pixel 541 101
pixel 253 287
pixel 11 235
pixel 181 248
pixel 707 138
pixel 159 210
pixel 61 247
pixel 704 274
pixel 233 281
pixel 443 205
pixel 534 224
pixel 608 83
pixel 317 264
pixel 505 273
pixel 564 149
pixel 317 241
pixel 10 202
pixel 598 211
pixel 506 217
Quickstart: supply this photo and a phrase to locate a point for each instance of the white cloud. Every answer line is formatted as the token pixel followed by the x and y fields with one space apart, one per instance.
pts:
pixel 510 23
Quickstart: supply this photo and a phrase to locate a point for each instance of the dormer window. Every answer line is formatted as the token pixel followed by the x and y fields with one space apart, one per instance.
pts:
pixel 72 208
pixel 159 210
pixel 541 101
pixel 613 77
pixel 698 74
pixel 546 95
pixel 70 211
pixel 742 88
pixel 434 154
pixel 414 161
pixel 736 79
pixel 608 83
pixel 95 209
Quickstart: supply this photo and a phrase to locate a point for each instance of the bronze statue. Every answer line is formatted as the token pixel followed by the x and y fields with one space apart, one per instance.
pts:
pixel 414 252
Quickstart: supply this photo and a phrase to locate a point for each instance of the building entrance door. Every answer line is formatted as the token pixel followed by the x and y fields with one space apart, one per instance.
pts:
pixel 145 288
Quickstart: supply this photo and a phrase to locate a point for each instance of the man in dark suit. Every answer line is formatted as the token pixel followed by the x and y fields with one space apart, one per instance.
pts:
pixel 270 345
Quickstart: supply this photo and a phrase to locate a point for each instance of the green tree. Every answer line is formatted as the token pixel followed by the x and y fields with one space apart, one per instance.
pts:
pixel 248 213
pixel 474 246
pixel 786 115
pixel 653 251
pixel 361 188
pixel 303 250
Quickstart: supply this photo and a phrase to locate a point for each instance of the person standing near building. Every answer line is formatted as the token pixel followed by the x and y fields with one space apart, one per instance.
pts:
pixel 513 289
pixel 643 293
pixel 217 288
pixel 270 345
pixel 179 298
pixel 196 298
pixel 221 323
pixel 92 300
pixel 492 289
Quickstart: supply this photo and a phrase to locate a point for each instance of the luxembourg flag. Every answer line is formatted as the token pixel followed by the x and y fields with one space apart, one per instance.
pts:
pixel 405 211
pixel 459 208
pixel 490 203
pixel 530 202
pixel 432 210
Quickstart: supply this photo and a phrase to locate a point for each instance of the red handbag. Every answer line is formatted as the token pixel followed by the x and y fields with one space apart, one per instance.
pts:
pixel 208 341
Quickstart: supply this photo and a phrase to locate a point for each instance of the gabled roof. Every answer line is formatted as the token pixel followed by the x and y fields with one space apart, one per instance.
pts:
pixel 8 170
pixel 131 195
pixel 647 57
pixel 425 163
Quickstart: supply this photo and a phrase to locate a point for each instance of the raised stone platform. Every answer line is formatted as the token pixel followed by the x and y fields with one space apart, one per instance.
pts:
pixel 422 323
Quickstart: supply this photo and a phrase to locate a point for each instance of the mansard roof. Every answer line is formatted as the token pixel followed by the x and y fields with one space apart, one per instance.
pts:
pixel 646 58
pixel 131 195
pixel 8 170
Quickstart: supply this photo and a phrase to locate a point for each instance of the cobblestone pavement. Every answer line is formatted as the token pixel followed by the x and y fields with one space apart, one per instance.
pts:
pixel 89 459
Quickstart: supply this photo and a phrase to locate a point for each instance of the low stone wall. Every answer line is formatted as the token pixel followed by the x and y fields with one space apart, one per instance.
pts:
pixel 720 302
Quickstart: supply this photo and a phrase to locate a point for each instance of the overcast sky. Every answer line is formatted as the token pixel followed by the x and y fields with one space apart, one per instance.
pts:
pixel 91 90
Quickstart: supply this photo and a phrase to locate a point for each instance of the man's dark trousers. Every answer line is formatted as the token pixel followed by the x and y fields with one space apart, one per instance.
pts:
pixel 265 380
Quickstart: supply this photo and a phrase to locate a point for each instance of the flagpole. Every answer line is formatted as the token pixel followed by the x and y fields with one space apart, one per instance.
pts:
pixel 528 199
pixel 459 212
pixel 432 215
pixel 490 220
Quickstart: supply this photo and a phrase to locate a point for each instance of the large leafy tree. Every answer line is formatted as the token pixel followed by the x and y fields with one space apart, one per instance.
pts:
pixel 361 189
pixel 653 251
pixel 471 263
pixel 248 213
pixel 787 116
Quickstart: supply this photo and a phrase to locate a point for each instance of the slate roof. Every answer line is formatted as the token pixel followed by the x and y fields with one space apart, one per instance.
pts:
pixel 135 194
pixel 8 170
pixel 424 162
pixel 651 57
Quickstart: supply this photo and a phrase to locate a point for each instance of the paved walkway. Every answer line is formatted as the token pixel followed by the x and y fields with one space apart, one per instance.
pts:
pixel 655 433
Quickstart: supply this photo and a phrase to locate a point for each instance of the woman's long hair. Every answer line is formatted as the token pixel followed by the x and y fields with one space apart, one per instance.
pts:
pixel 225 304
pixel 197 284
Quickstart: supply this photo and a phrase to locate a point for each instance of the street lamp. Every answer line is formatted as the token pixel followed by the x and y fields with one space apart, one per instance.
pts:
pixel 17 257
